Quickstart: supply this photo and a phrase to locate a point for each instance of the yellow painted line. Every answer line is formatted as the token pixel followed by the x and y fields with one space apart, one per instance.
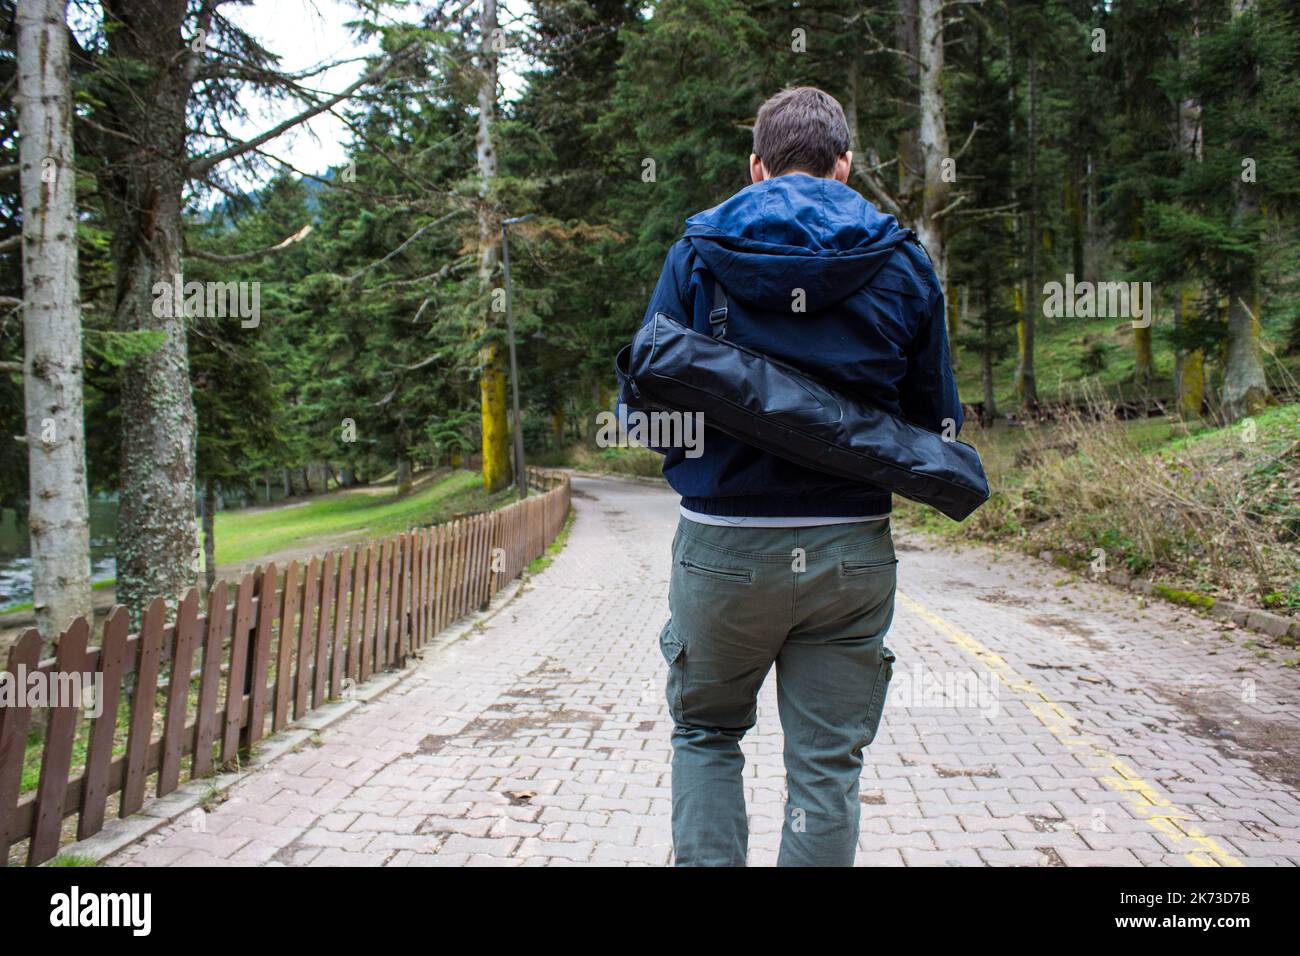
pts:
pixel 1162 814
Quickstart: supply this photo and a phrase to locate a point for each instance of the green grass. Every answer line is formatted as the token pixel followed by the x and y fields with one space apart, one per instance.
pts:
pixel 73 859
pixel 1060 345
pixel 540 564
pixel 245 535
pixel 31 772
pixel 1274 430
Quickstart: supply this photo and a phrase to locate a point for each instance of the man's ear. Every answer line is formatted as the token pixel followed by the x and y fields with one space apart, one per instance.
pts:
pixel 757 172
pixel 843 165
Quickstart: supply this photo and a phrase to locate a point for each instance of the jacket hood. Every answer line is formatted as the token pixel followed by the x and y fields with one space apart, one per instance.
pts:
pixel 794 231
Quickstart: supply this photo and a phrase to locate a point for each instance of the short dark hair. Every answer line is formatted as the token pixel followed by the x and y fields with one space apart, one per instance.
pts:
pixel 800 128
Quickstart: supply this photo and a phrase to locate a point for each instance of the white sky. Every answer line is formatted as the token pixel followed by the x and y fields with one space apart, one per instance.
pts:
pixel 305 33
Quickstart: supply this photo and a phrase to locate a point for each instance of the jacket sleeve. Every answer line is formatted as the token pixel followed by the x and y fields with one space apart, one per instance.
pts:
pixel 928 394
pixel 673 294
pixel 673 297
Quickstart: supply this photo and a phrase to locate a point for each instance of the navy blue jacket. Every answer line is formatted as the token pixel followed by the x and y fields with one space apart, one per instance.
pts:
pixel 815 276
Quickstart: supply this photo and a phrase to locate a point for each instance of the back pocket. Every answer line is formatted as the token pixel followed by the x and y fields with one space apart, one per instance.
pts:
pixel 852 567
pixel 735 575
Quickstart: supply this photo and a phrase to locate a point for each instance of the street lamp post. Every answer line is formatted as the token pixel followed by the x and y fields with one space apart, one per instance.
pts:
pixel 520 477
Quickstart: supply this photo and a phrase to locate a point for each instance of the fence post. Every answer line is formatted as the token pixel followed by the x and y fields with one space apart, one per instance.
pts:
pixel 56 762
pixel 259 655
pixel 24 657
pixel 178 689
pixel 112 664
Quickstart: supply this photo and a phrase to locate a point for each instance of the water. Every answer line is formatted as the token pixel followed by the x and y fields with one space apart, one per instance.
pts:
pixel 15 552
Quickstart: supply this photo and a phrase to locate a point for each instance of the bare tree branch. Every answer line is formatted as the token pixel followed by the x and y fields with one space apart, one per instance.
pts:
pixel 406 242
pixel 202 164
pixel 439 19
pixel 429 277
pixel 876 186
pixel 961 198
pixel 280 246
pixel 975 128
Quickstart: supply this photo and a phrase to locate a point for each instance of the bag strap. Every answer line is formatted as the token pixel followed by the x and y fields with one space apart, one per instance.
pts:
pixel 912 237
pixel 718 315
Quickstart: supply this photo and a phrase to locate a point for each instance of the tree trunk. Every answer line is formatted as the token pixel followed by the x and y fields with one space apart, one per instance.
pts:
pixel 933 137
pixel 1191 368
pixel 1245 389
pixel 209 533
pixel 497 473
pixel 1142 358
pixel 403 474
pixel 1073 200
pixel 557 425
pixel 142 183
pixel 990 413
pixel 911 176
pixel 52 369
pixel 1028 384
pixel 1092 241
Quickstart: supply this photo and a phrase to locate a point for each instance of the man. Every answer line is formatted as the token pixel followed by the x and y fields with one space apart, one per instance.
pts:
pixel 774 563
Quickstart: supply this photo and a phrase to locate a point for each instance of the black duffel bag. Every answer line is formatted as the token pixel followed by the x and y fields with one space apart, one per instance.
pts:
pixel 778 409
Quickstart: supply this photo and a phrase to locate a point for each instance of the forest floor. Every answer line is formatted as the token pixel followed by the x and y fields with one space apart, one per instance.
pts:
pixel 1093 729
pixel 297 529
pixel 1206 513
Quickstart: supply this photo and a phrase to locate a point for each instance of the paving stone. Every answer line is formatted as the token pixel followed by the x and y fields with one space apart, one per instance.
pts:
pixel 542 737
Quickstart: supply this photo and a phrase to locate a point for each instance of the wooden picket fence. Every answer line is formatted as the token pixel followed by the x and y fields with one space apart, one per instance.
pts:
pixel 286 644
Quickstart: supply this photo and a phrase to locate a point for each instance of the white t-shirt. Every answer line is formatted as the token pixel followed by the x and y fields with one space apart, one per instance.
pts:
pixel 760 521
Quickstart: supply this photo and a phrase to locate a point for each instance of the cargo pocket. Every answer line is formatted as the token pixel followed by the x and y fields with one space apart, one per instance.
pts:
pixel 878 693
pixel 673 649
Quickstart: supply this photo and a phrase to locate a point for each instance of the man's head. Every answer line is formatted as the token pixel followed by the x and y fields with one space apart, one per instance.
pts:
pixel 801 130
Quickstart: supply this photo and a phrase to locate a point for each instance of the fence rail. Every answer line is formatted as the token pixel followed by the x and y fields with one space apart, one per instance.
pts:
pixel 287 642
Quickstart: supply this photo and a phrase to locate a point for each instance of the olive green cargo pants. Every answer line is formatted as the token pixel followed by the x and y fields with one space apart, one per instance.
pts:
pixel 816 602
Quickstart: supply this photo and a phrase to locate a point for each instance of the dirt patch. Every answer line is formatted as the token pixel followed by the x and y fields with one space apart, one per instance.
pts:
pixel 990 772
pixel 1046 824
pixel 1065 623
pixel 1005 598
pixel 1052 858
pixel 1271 747
pixel 433 743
